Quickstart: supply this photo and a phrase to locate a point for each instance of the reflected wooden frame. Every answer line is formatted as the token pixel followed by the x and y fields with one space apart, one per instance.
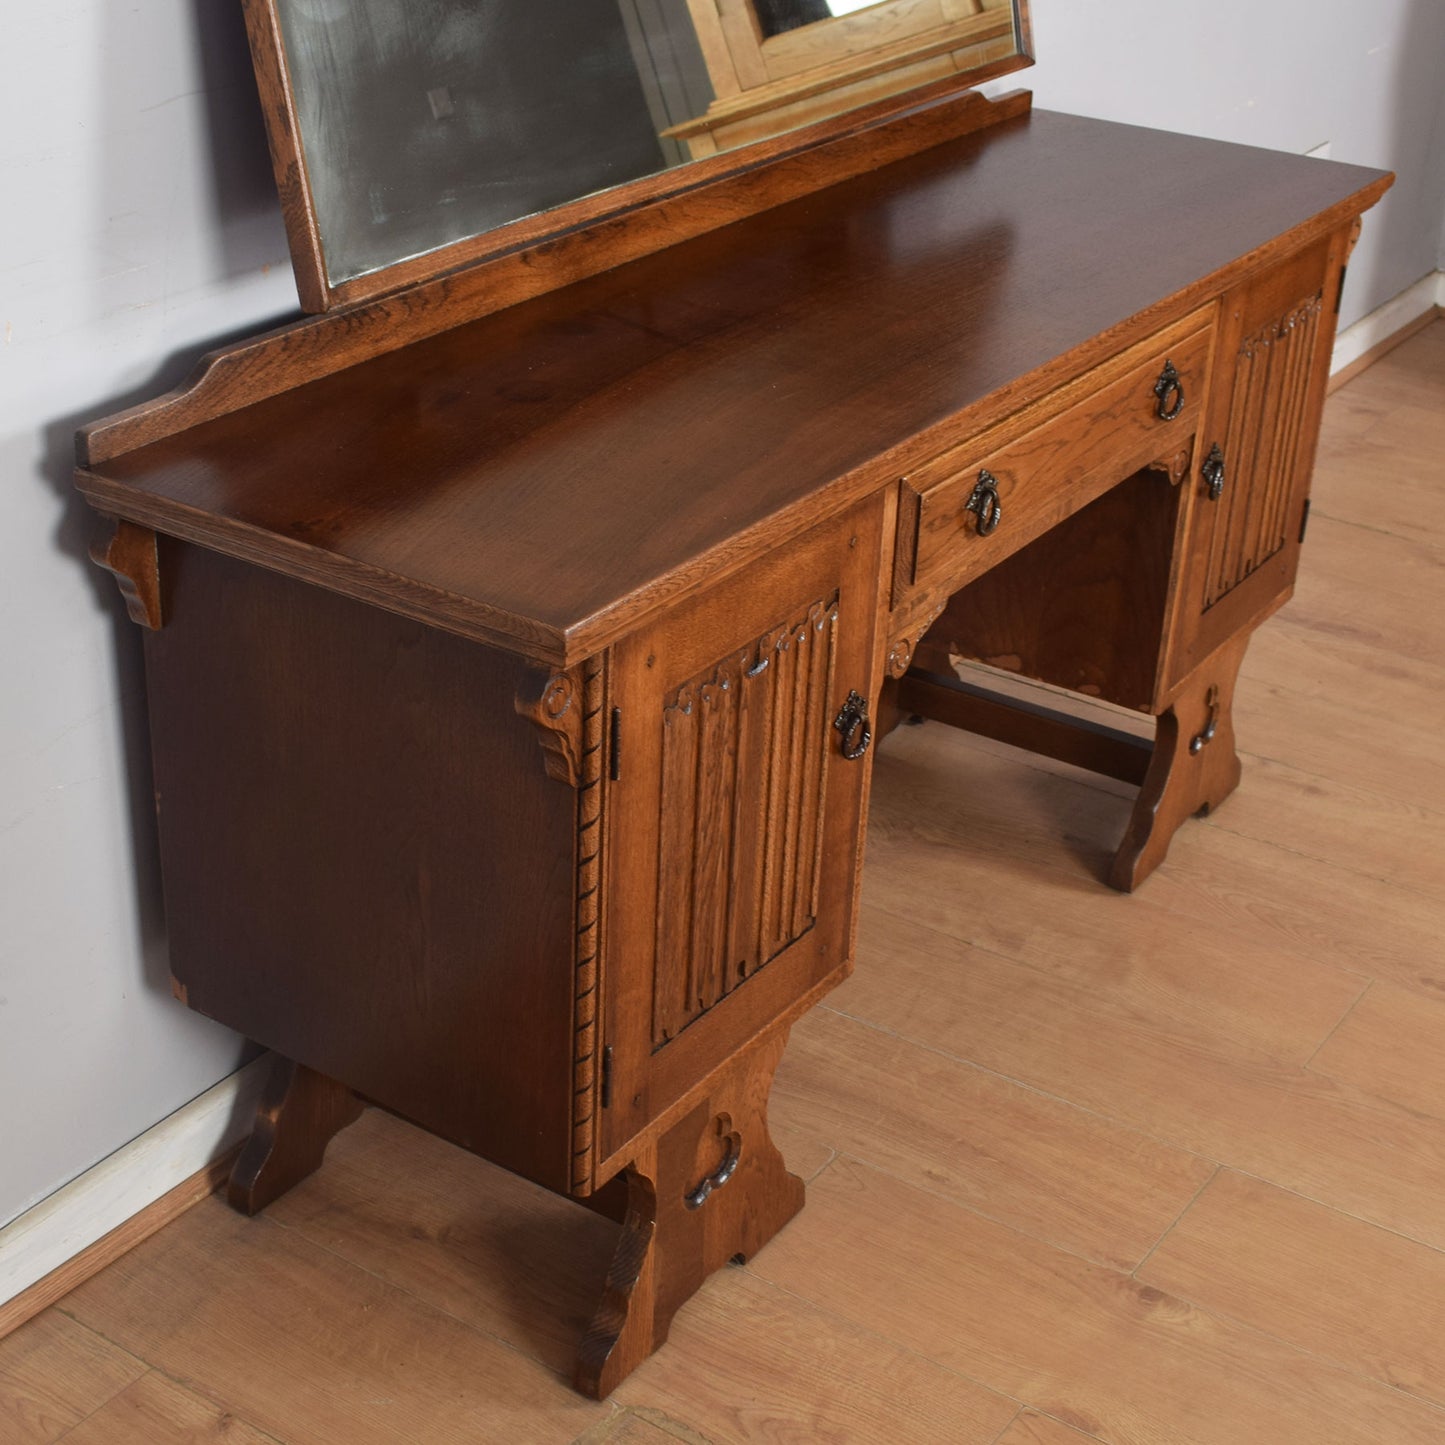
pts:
pixel 768 83
pixel 890 85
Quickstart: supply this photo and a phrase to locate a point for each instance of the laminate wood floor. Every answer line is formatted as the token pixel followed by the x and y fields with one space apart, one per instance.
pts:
pixel 1158 1170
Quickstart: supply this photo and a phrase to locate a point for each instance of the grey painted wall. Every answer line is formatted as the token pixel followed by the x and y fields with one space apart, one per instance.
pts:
pixel 1286 74
pixel 138 223
pixel 139 226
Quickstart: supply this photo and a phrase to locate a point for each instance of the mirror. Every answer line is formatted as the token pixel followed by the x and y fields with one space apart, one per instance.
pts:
pixel 406 128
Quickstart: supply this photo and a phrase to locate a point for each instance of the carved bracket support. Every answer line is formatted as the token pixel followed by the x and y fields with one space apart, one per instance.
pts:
pixel 1173 467
pixel 132 556
pixel 902 645
pixel 557 715
pixel 1353 238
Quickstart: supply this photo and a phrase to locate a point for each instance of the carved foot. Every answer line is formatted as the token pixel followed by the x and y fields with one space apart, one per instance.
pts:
pixel 713 1187
pixel 1194 766
pixel 299 1113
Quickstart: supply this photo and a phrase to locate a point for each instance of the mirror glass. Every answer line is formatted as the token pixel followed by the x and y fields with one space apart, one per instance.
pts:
pixel 421 123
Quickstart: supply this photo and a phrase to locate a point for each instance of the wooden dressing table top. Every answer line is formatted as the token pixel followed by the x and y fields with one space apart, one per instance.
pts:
pixel 542 477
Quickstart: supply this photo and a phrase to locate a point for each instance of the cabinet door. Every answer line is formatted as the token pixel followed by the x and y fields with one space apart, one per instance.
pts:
pixel 734 821
pixel 1256 451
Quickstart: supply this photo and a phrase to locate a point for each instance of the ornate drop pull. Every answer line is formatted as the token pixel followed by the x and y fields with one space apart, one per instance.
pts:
pixel 1213 472
pixel 696 1198
pixel 984 502
pixel 1200 741
pixel 1168 383
pixel 852 723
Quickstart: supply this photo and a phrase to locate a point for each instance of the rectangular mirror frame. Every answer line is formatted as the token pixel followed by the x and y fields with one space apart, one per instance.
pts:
pixel 815 124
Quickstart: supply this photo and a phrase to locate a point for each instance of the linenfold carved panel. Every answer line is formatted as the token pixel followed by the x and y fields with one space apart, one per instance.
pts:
pixel 1271 387
pixel 744 748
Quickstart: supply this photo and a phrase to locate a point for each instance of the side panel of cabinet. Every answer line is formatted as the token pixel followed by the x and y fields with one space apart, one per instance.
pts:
pixel 734 821
pixel 366 866
pixel 1243 530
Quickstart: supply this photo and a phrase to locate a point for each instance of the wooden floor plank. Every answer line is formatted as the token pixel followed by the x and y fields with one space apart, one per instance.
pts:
pixel 1031 1428
pixel 1068 1177
pixel 1349 1292
pixel 1325 1139
pixel 1334 820
pixel 53 1373
pixel 486 1247
pixel 510 1259
pixel 1373 589
pixel 1393 1046
pixel 157 1411
pixel 1087 1346
pixel 313 1350
pixel 1396 753
pixel 747 1361
pixel 1009 855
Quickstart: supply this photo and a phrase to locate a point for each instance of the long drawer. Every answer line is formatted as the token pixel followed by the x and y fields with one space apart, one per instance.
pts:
pixel 973 505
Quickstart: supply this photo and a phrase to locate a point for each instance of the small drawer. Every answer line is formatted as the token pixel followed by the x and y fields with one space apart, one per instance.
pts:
pixel 975 504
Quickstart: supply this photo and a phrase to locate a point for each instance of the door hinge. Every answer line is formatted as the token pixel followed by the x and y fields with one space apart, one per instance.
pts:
pixel 614 762
pixel 1304 520
pixel 607 1077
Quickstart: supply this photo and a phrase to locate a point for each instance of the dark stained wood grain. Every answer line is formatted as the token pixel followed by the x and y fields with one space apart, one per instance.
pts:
pixel 298 1115
pixel 366 864
pixel 549 474
pixel 292 355
pixel 1053 733
pixel 131 555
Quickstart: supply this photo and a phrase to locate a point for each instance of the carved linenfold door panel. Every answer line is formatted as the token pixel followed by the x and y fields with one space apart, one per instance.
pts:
pixel 735 812
pixel 1249 522
pixel 1255 451
pixel 741 814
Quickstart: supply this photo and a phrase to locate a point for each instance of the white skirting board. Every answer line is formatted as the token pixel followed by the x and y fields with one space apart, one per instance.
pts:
pixel 1427 294
pixel 122 1184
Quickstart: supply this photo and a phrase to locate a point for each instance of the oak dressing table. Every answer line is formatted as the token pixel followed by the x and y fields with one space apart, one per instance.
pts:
pixel 520 627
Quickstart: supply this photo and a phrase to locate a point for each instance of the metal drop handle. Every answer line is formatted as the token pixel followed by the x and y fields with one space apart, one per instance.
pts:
pixel 1168 383
pixel 852 723
pixel 984 502
pixel 1202 740
pixel 696 1198
pixel 1213 472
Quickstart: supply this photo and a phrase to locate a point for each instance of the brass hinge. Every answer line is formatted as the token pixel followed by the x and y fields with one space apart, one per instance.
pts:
pixel 614 764
pixel 607 1077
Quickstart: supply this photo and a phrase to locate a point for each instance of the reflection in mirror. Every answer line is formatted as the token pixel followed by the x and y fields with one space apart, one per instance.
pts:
pixel 426 121
pixel 404 127
pixel 777 16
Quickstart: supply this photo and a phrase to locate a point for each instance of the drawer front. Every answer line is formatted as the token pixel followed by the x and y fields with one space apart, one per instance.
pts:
pixel 979 502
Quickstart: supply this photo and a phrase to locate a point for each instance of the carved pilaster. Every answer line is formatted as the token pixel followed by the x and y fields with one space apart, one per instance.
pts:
pixel 131 555
pixel 590 861
pixel 569 713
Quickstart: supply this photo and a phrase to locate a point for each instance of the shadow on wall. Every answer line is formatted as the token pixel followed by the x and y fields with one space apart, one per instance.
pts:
pixel 243 226
pixel 1414 209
